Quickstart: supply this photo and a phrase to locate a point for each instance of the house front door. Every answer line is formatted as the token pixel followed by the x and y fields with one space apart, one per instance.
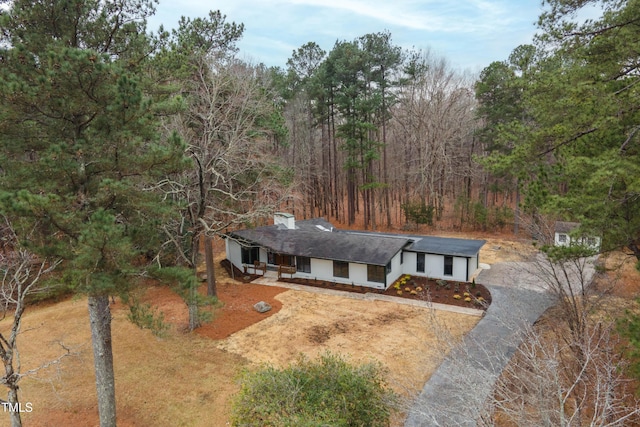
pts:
pixel 284 259
pixel 281 259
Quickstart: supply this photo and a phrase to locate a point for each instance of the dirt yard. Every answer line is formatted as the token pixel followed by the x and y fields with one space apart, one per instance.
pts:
pixel 188 379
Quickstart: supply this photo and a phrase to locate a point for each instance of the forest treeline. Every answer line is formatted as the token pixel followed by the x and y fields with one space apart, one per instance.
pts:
pixel 385 136
pixel 399 137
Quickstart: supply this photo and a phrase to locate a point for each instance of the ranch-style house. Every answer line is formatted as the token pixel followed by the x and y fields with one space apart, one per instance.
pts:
pixel 314 249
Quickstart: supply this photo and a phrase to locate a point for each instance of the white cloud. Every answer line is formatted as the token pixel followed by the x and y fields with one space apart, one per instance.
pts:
pixel 469 33
pixel 431 16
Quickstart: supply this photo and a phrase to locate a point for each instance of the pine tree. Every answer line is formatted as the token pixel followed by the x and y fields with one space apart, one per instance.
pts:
pixel 579 140
pixel 79 139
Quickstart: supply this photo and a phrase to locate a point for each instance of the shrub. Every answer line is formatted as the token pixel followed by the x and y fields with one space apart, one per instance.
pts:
pixel 456 296
pixel 185 284
pixel 418 212
pixel 467 299
pixel 328 391
pixel 146 317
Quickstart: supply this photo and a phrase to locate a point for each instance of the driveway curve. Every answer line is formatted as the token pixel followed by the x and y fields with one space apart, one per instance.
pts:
pixel 457 391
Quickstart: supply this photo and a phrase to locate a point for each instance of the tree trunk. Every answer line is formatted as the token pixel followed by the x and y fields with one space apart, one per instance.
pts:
pixel 100 319
pixel 14 404
pixel 351 196
pixel 192 304
pixel 209 261
pixel 516 216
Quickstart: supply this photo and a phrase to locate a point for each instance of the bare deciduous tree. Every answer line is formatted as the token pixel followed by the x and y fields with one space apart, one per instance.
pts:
pixel 567 274
pixel 235 179
pixel 20 276
pixel 568 369
pixel 564 370
pixel 433 127
pixel 546 385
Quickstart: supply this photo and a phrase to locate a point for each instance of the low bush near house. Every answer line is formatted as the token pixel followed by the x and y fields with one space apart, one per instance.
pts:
pixel 328 391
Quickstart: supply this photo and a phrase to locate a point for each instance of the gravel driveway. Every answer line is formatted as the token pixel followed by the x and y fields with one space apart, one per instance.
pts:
pixel 456 392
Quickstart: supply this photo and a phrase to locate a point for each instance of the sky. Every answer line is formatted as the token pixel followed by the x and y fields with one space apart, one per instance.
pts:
pixel 470 34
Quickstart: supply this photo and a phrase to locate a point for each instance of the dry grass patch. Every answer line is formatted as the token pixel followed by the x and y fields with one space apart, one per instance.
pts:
pixel 188 379
pixel 410 341
pixel 180 380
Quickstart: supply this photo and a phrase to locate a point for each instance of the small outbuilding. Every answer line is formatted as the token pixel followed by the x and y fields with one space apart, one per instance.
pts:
pixel 566 235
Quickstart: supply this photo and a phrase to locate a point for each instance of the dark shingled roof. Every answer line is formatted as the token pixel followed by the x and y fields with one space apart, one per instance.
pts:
pixel 446 246
pixel 435 245
pixel 311 241
pixel 565 226
pixel 316 238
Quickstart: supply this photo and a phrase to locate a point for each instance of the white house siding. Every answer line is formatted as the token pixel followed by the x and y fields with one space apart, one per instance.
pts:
pixel 322 269
pixel 409 263
pixel 264 257
pixel 396 269
pixel 234 253
pixel 564 239
pixel 434 266
pixel 358 274
pixel 473 265
pixel 459 269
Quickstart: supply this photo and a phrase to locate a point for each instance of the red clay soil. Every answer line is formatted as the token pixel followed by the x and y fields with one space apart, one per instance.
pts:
pixel 235 313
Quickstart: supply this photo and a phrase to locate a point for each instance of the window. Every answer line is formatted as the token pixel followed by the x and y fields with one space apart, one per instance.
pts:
pixel 402 257
pixel 448 266
pixel 591 241
pixel 341 269
pixel 376 273
pixel 562 238
pixel 249 255
pixel 420 263
pixel 303 264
